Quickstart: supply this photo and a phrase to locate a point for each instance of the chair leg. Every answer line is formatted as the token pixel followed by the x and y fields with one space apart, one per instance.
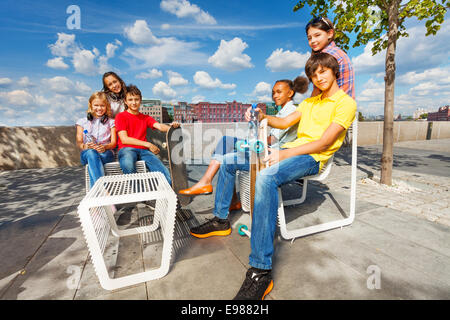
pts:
pixel 302 199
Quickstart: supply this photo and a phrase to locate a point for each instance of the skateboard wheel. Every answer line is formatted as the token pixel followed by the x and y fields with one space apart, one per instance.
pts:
pixel 164 145
pixel 239 145
pixel 258 146
pixel 242 227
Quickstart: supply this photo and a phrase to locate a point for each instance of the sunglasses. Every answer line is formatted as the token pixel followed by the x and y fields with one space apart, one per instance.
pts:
pixel 317 20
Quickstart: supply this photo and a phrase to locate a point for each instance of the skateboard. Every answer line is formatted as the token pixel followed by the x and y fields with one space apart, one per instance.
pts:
pixel 177 167
pixel 258 151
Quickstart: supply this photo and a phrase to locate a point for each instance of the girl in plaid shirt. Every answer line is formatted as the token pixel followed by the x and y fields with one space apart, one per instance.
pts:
pixel 320 32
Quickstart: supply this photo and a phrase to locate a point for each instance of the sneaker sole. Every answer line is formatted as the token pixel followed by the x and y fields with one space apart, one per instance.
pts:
pixel 269 288
pixel 210 234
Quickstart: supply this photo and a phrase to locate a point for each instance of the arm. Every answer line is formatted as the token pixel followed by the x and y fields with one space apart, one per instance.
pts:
pixel 113 142
pixel 275 122
pixel 164 127
pixel 326 140
pixel 123 135
pixel 79 140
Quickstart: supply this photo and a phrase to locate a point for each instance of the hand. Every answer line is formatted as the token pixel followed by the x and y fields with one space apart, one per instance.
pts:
pixel 175 124
pixel 274 156
pixel 100 148
pixel 89 145
pixel 258 110
pixel 153 148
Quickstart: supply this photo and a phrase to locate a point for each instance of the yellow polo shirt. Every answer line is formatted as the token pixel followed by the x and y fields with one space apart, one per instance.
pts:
pixel 317 115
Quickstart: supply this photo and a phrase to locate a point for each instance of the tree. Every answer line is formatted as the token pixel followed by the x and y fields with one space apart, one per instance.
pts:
pixel 360 116
pixel 381 21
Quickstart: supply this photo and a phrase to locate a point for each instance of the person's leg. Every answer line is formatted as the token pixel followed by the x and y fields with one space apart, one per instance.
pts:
pixel 204 185
pixel 153 164
pixel 107 156
pixel 219 225
pixel 93 159
pixel 127 160
pixel 266 204
pixel 258 281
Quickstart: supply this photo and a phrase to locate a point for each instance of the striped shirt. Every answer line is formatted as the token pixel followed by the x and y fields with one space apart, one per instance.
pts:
pixel 101 132
pixel 346 74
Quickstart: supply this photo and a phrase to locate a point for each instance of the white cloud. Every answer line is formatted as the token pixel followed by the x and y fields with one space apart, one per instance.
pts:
pixel 87 62
pixel 281 60
pixel 63 85
pixel 418 52
pixel 163 90
pixel 83 62
pixel 262 92
pixel 168 51
pixel 183 9
pixel 140 33
pixel 229 56
pixel 197 99
pixel 150 74
pixel 176 79
pixel 25 82
pixel 65 46
pixel 204 80
pixel 17 97
pixel 57 63
pixel 5 82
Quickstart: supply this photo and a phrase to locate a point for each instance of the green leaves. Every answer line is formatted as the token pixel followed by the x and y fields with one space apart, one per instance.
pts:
pixel 368 19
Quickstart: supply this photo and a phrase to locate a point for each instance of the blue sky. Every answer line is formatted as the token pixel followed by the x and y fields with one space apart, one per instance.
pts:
pixel 196 50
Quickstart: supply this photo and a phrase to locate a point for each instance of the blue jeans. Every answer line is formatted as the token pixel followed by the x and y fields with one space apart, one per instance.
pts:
pixel 265 208
pixel 95 160
pixel 224 146
pixel 128 157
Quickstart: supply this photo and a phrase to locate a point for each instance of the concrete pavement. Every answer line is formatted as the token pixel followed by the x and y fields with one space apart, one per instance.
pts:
pixel 397 248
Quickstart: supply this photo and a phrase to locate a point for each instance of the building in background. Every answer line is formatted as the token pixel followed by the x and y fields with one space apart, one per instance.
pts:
pixel 155 109
pixel 184 113
pixel 443 114
pixel 222 112
pixel 418 113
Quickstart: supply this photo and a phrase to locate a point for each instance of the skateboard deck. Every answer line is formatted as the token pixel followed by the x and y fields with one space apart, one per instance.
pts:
pixel 256 163
pixel 177 167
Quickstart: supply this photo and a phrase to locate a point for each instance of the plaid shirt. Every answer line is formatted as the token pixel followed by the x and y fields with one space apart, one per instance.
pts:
pixel 347 75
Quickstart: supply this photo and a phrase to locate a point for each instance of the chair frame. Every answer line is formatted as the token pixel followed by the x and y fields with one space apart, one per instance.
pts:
pixel 244 187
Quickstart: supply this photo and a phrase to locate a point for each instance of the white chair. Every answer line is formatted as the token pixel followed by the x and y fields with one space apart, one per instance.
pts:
pixel 113 168
pixel 97 221
pixel 244 188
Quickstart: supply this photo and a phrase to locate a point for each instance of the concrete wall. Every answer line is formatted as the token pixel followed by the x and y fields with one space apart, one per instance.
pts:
pixel 49 147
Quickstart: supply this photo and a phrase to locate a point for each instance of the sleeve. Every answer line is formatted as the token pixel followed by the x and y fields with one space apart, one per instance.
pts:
pixel 80 122
pixel 150 122
pixel 345 112
pixel 279 133
pixel 120 123
pixel 301 106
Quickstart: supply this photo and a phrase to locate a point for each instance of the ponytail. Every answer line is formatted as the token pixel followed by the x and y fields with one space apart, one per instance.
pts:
pixel 300 84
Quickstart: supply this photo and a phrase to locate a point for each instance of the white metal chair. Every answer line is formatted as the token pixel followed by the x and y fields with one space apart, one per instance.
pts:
pixel 292 234
pixel 244 189
pixel 113 168
pixel 97 220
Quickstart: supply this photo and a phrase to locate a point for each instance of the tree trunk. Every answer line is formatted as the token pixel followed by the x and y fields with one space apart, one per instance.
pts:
pixel 389 81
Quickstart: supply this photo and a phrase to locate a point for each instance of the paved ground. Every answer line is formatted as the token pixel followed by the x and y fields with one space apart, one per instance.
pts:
pixel 397 248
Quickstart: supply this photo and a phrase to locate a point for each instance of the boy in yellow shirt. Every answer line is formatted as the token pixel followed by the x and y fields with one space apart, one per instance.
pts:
pixel 323 121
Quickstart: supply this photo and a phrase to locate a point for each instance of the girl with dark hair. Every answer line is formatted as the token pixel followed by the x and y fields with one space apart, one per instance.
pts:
pixel 321 32
pixel 283 92
pixel 115 90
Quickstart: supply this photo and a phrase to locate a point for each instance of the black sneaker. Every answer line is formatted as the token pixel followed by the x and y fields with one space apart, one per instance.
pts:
pixel 213 227
pixel 257 284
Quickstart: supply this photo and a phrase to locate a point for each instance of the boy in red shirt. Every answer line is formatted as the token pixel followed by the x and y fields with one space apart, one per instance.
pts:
pixel 131 127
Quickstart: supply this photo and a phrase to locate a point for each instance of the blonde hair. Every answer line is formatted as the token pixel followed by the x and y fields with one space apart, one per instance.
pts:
pixel 101 96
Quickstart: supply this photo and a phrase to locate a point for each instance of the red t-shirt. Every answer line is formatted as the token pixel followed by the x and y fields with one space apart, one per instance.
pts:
pixel 135 126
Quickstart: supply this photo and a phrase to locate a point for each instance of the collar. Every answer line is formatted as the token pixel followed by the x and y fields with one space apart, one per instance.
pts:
pixel 279 108
pixel 335 97
pixel 332 44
